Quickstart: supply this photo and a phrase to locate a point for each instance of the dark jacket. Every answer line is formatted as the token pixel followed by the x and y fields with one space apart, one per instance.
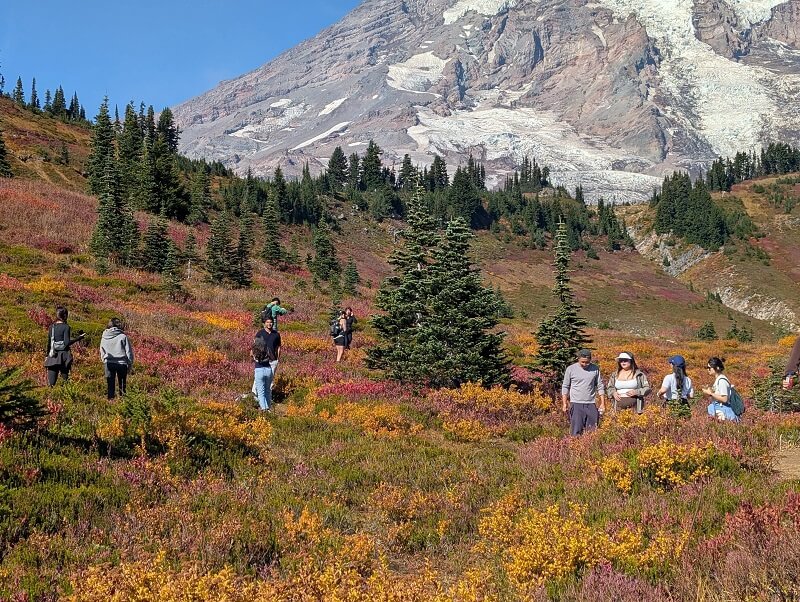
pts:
pixel 60 331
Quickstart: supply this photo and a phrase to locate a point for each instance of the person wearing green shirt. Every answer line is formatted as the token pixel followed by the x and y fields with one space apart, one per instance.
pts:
pixel 274 308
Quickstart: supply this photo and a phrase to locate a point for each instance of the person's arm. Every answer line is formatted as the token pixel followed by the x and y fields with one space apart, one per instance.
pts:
pixel 278 348
pixel 601 391
pixel 103 352
pixel 48 344
pixel 611 387
pixel 281 310
pixel 129 350
pixel 70 340
pixel 644 385
pixel 716 396
pixel 565 385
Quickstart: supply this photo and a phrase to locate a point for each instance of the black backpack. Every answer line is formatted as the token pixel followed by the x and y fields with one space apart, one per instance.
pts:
pixel 336 328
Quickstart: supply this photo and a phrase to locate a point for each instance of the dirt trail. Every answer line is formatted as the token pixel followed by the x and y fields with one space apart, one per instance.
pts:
pixel 788 464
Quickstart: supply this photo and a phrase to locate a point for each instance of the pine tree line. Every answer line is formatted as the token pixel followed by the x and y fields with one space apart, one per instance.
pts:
pixel 776 158
pixel 54 104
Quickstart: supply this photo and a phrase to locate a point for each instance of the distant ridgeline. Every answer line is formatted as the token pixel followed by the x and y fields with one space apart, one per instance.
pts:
pixel 686 209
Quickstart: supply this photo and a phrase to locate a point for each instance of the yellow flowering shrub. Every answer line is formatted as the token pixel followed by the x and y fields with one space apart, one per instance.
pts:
pixel 219 321
pixel 47 285
pixel 616 470
pixel 13 339
pixel 381 419
pixel 537 546
pixel 667 464
pixel 498 398
pixel 203 356
pixel 466 430
pixel 303 343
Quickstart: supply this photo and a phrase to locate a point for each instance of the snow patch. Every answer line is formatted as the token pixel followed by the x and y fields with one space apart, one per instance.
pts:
pixel 338 128
pixel 489 8
pixel 283 102
pixel 754 11
pixel 599 33
pixel 417 74
pixel 727 98
pixel 358 144
pixel 331 107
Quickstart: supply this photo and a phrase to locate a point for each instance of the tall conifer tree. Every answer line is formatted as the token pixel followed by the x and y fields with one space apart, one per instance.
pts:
pixel 220 249
pixel 325 265
pixel 5 166
pixel 562 335
pixel 18 96
pixel 102 148
pixel 271 252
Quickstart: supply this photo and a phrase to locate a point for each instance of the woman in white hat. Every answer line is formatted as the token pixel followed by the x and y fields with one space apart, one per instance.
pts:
pixel 628 385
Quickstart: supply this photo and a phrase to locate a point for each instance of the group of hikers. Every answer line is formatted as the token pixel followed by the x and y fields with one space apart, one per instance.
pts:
pixel 583 392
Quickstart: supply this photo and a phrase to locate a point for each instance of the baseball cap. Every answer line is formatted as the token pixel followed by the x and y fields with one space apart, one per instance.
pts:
pixel 677 360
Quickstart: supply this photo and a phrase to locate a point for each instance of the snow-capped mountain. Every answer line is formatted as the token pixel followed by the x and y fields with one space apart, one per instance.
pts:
pixel 609 93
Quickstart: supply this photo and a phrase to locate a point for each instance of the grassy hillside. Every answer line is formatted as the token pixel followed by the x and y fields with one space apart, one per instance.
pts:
pixel 759 277
pixel 356 488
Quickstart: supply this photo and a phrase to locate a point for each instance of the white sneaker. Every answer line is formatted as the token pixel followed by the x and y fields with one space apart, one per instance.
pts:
pixel 720 415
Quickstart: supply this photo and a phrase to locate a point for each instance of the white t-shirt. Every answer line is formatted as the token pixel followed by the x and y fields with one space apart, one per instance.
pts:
pixel 722 386
pixel 671 390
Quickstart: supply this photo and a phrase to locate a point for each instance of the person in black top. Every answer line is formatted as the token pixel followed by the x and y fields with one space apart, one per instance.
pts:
pixel 349 319
pixel 269 340
pixel 59 342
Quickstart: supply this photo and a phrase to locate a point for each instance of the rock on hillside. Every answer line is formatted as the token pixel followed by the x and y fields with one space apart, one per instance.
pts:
pixel 610 93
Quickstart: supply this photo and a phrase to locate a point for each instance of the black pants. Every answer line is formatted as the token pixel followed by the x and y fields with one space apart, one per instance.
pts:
pixel 116 372
pixel 54 371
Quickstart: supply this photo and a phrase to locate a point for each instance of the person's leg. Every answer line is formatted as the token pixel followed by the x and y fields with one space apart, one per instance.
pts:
pixel 712 407
pixel 110 377
pixel 727 412
pixel 592 417
pixel 268 379
pixel 576 419
pixel 52 376
pixel 64 373
pixel 274 366
pixel 339 352
pixel 348 339
pixel 262 387
pixel 122 375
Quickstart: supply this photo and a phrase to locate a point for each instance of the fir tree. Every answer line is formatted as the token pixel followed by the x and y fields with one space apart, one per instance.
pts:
pixel 18 96
pixel 324 264
pixel 145 195
pixel 19 407
pixel 200 198
pixel 351 278
pixel 337 169
pixel 48 102
pixel 173 273
pixel 243 273
pixel 190 254
pixel 5 166
pixel 220 249
pixel 34 102
pixel 116 234
pixel 407 178
pixel 156 245
pixel 463 197
pixel 403 295
pixel 130 153
pixel 562 335
pixel 59 108
pixel 271 252
pixel 707 332
pixel 353 171
pixel 102 148
pixel 453 344
pixel 371 178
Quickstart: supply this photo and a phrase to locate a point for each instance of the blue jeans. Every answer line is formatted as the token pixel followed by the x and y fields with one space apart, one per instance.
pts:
pixel 262 385
pixel 726 410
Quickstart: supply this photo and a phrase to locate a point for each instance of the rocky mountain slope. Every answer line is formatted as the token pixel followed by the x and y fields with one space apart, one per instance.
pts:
pixel 611 93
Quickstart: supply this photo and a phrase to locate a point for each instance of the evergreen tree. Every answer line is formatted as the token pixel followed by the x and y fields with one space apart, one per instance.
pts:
pixel 200 198
pixel 707 332
pixel 5 166
pixel 130 153
pixel 220 250
pixel 453 344
pixel 156 245
pixel 403 295
pixel 324 265
pixel 173 273
pixel 18 96
pixel 19 407
pixel 351 278
pixel 145 194
pixel 116 234
pixel 102 148
pixel 407 178
pixel 463 197
pixel 243 272
pixel 190 254
pixel 74 110
pixel 48 102
pixel 59 108
pixel 562 335
pixel 337 169
pixel 353 172
pixel 371 178
pixel 63 155
pixel 271 252
pixel 34 102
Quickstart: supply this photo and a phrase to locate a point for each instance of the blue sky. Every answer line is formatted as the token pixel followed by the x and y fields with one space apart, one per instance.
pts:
pixel 159 52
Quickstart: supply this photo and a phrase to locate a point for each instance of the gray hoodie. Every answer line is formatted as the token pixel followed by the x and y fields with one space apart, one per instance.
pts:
pixel 115 348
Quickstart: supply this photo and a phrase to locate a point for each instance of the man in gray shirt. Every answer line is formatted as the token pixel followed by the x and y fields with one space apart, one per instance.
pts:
pixel 582 384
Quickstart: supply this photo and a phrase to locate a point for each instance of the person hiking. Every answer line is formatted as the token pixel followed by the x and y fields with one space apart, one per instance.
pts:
pixel 116 353
pixel 628 385
pixel 273 341
pixel 262 373
pixel 350 320
pixel 720 392
pixel 58 350
pixel 581 386
pixel 275 310
pixel 792 367
pixel 677 388
pixel 339 334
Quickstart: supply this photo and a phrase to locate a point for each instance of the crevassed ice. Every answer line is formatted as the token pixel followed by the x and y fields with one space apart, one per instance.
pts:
pixel 754 11
pixel 482 7
pixel 331 107
pixel 417 74
pixel 729 99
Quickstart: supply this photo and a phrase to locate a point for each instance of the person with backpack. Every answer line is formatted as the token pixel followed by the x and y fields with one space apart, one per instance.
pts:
pixel 628 385
pixel 677 388
pixel 581 386
pixel 263 375
pixel 792 367
pixel 273 342
pixel 275 310
pixel 339 334
pixel 58 351
pixel 726 404
pixel 116 353
pixel 350 320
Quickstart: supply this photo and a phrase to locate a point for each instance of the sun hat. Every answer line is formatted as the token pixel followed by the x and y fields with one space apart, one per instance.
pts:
pixel 677 360
pixel 625 356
